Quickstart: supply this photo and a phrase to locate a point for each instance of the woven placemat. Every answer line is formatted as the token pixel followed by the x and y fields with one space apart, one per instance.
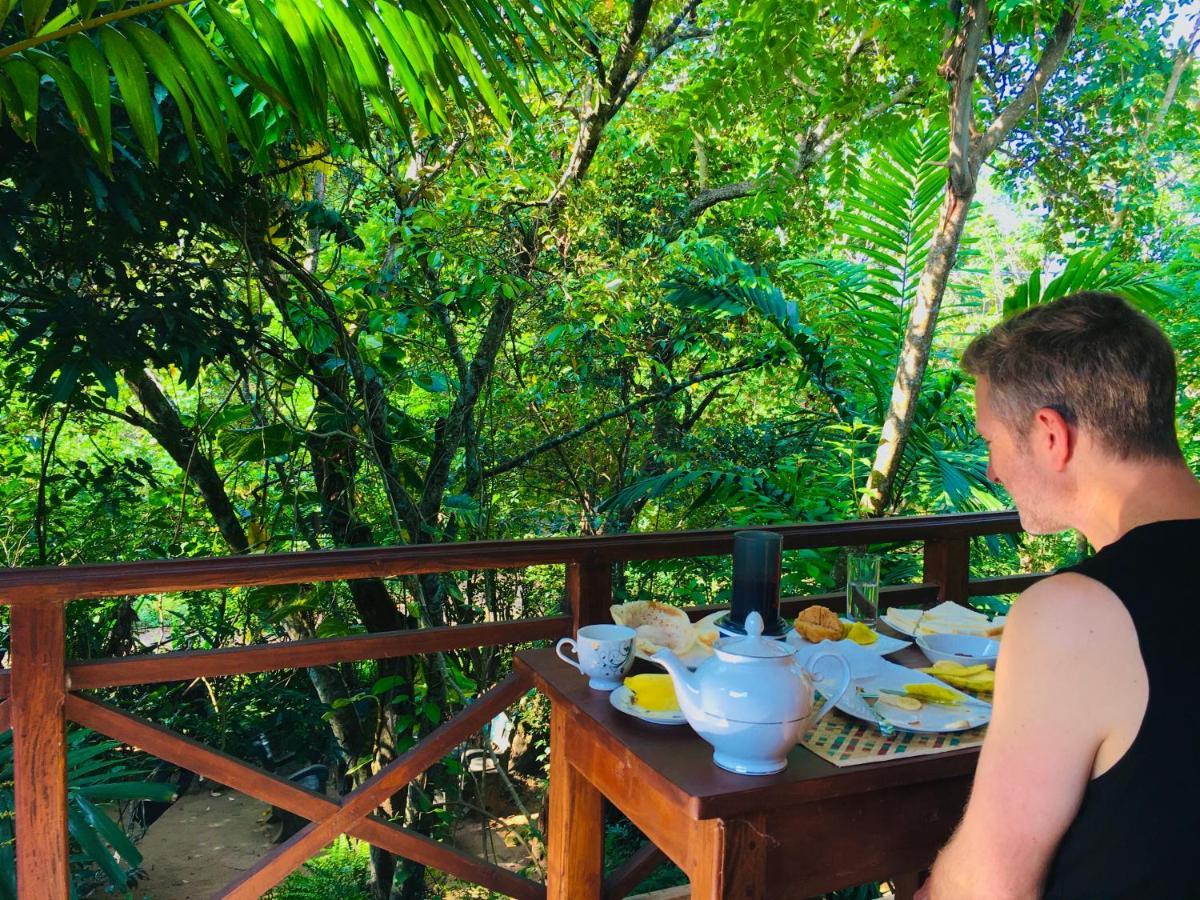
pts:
pixel 846 741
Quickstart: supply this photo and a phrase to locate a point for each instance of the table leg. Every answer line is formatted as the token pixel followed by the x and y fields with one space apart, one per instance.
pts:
pixel 575 865
pixel 730 860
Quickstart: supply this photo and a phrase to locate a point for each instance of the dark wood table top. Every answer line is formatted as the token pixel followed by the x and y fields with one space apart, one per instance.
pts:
pixel 678 762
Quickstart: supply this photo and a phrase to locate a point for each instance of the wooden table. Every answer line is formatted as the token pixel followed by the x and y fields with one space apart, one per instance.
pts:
pixel 810 829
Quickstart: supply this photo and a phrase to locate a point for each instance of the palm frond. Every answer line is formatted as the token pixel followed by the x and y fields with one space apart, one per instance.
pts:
pixel 410 61
pixel 728 286
pixel 1092 270
pixel 891 210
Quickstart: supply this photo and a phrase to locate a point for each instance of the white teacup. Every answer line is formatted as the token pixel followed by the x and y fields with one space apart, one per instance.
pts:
pixel 605 654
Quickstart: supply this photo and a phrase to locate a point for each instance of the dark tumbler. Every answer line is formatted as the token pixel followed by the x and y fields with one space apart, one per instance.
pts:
pixel 757 569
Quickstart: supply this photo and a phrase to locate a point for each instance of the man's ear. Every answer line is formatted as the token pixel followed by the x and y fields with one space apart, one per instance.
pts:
pixel 1055 436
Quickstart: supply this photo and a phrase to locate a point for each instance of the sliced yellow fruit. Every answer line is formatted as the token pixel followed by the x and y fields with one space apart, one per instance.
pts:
pixel 935 693
pixel 982 681
pixel 978 685
pixel 654 693
pixel 861 633
pixel 953 668
pixel 912 704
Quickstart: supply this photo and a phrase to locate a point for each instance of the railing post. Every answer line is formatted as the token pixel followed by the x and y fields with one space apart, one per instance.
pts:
pixel 589 591
pixel 948 565
pixel 38 696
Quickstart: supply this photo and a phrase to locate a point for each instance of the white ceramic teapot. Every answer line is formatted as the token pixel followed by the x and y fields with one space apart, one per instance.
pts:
pixel 751 700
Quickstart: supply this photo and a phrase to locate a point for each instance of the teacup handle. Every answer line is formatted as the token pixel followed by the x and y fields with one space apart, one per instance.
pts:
pixel 558 648
pixel 841 689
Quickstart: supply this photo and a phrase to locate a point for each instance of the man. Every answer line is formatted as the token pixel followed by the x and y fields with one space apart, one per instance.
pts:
pixel 1087 784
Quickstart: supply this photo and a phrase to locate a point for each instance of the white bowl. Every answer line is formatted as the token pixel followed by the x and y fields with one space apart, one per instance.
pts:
pixel 967 649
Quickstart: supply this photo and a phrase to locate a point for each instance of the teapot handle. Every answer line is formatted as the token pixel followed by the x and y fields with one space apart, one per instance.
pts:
pixel 834 697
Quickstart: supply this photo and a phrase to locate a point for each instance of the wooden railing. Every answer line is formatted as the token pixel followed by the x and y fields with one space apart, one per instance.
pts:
pixel 42 687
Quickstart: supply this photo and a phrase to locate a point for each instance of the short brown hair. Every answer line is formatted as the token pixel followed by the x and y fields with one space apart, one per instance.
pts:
pixel 1096 360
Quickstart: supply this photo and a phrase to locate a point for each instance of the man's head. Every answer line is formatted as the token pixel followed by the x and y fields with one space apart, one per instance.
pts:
pixel 1087 371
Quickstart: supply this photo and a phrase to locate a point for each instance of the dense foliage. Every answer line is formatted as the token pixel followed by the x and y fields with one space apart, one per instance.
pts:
pixel 460 271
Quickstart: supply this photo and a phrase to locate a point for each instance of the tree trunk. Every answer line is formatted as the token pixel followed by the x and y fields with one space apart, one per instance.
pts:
pixel 162 421
pixel 914 355
pixel 969 149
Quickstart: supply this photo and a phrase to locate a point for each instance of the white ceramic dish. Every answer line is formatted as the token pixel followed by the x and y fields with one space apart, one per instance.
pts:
pixel 960 648
pixel 883 646
pixel 622 699
pixel 872 672
pixel 934 719
pixel 945 618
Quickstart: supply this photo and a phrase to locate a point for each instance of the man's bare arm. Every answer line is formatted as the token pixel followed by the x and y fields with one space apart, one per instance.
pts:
pixel 1069 666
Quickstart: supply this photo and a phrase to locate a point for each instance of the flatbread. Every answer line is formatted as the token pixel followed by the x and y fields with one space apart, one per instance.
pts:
pixel 657 625
pixel 945 618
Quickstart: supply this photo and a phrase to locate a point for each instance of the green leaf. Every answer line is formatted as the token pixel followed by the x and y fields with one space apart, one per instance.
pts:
pixel 256 444
pixel 343 83
pixel 78 102
pixel 89 65
pixel 34 13
pixel 107 829
pixel 166 68
pixel 89 841
pixel 368 64
pixel 297 69
pixel 401 66
pixel 387 683
pixel 480 48
pixel 298 36
pixel 417 55
pixel 134 87
pixel 212 89
pixel 129 790
pixel 248 58
pixel 433 382
pixel 26 81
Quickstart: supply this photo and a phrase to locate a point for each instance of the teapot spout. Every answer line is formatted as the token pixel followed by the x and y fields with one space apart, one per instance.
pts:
pixel 687 692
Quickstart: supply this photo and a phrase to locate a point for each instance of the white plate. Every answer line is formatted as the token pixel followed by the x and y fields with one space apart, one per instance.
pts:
pixel 622 699
pixel 934 719
pixel 871 672
pixel 883 646
pixel 947 616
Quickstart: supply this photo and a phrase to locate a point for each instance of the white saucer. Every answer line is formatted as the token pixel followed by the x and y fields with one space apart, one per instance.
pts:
pixel 622 699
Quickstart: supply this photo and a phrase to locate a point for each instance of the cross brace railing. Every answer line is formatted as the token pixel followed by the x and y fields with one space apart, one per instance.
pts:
pixel 42 688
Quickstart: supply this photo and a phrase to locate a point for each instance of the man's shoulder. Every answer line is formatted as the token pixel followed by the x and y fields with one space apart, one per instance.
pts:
pixel 1071 609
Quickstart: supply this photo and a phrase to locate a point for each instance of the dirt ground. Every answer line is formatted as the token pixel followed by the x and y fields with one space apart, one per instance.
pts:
pixel 203 842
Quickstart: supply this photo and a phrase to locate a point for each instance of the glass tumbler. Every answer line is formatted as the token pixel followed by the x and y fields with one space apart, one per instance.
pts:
pixel 862 588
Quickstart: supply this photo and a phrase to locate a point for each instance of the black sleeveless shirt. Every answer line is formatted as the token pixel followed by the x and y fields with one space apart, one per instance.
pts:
pixel 1137 833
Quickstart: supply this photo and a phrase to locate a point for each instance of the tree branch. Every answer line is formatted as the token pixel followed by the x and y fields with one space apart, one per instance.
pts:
pixel 1047 65
pixel 1178 66
pixel 86 25
pixel 959 68
pixel 814 147
pixel 635 26
pixel 454 427
pixel 163 423
pixel 668 38
pixel 592 424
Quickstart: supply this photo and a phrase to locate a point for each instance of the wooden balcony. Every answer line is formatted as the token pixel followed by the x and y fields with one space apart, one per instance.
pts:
pixel 43 688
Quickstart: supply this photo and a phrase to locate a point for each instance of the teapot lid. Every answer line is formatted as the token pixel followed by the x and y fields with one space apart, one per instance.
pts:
pixel 754 644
